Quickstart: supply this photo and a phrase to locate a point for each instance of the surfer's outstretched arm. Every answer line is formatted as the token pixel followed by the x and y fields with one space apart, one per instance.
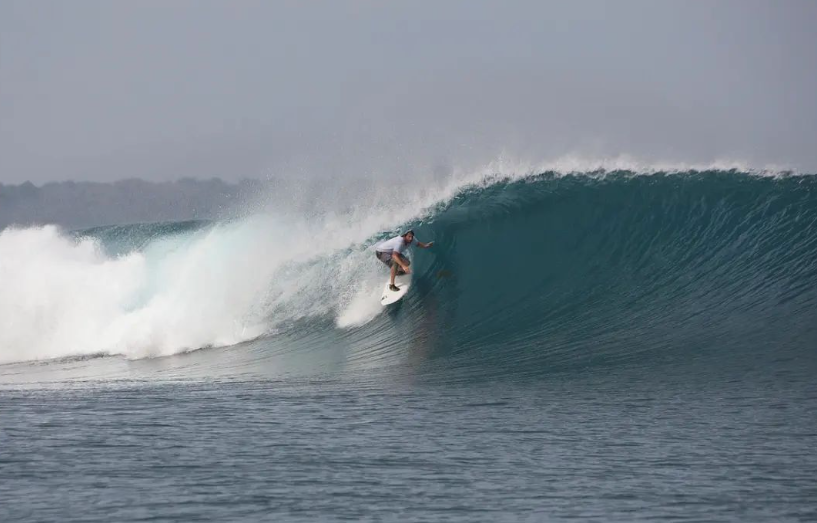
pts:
pixel 424 245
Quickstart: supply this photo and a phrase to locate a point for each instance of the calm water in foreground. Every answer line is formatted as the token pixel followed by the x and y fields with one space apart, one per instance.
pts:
pixel 612 445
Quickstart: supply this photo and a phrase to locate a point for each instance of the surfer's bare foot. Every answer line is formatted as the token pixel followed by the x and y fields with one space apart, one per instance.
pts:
pixel 394 287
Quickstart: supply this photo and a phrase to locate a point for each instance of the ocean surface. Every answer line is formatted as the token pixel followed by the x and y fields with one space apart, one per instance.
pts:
pixel 590 346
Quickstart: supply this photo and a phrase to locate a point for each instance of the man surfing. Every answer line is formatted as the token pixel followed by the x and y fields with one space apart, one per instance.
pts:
pixel 392 253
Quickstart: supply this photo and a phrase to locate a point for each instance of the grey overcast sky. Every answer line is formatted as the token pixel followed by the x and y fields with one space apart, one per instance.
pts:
pixel 105 90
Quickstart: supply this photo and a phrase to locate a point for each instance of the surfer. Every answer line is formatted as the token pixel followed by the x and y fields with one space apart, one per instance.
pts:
pixel 392 253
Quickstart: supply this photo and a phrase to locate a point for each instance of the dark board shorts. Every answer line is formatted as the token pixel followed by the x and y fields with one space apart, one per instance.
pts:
pixel 389 260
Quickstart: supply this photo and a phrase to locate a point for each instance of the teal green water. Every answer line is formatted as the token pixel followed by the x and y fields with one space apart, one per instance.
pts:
pixel 575 348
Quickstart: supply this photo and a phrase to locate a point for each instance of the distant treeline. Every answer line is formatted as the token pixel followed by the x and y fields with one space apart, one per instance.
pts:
pixel 76 205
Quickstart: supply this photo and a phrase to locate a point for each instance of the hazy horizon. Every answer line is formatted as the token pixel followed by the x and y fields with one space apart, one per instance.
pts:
pixel 97 91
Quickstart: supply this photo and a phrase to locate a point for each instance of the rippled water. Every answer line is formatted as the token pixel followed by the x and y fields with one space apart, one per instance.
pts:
pixel 617 445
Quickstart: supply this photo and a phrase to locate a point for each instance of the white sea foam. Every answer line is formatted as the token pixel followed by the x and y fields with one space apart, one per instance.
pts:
pixel 66 297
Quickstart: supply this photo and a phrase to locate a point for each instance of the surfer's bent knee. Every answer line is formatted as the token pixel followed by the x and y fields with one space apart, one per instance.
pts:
pixel 390 260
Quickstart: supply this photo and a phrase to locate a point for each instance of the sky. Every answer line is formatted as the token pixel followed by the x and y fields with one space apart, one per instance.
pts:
pixel 102 91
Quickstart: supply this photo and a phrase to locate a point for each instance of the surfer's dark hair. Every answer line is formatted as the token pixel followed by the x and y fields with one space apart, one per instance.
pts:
pixel 410 231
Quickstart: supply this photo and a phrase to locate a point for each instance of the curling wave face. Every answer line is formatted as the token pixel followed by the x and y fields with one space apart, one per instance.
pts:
pixel 528 274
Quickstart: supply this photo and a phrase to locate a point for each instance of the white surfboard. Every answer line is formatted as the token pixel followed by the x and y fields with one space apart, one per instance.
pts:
pixel 390 296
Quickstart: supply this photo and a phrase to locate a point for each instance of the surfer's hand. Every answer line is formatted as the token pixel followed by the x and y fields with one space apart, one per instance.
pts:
pixel 429 244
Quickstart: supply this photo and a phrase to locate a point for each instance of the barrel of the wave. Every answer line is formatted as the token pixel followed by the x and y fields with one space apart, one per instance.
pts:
pixel 393 253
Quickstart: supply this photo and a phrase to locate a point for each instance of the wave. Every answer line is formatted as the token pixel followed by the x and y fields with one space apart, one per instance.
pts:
pixel 529 271
pixel 558 271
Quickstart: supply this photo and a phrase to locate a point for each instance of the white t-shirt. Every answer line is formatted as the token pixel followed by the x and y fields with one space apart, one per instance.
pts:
pixel 396 244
